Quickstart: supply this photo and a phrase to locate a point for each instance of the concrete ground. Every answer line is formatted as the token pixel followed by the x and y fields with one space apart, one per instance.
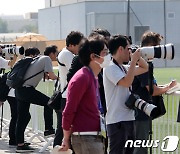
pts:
pixel 36 144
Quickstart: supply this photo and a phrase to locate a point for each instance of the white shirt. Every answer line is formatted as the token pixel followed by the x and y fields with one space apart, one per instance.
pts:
pixel 65 57
pixel 11 92
pixel 4 63
pixel 116 95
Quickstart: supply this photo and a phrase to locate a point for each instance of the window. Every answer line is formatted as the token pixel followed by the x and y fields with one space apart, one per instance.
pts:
pixel 171 15
pixel 139 30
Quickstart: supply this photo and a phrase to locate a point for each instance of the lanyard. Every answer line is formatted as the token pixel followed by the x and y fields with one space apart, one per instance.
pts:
pixel 97 92
pixel 95 82
pixel 122 68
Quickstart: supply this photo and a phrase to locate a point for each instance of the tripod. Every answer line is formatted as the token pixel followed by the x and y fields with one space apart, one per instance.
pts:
pixel 1 121
pixel 150 82
pixel 2 71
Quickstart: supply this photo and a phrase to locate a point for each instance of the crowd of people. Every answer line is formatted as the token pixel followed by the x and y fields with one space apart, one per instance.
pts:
pixel 97 74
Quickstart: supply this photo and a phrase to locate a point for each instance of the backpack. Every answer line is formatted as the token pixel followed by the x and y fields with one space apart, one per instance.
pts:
pixel 4 88
pixel 15 78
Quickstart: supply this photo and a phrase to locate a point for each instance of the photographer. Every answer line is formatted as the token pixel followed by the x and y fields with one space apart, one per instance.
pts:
pixel 140 86
pixel 117 82
pixel 6 64
pixel 28 94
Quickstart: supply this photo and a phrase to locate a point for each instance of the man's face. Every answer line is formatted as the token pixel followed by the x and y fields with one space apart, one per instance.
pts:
pixel 126 53
pixel 76 49
pixel 104 52
pixel 99 59
pixel 53 56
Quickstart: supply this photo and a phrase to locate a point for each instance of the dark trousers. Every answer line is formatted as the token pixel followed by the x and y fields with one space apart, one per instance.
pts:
pixel 118 134
pixel 142 133
pixel 25 96
pixel 12 125
pixel 105 143
pixel 59 131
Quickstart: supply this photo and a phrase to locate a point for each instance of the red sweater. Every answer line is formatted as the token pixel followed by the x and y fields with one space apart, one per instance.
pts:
pixel 81 110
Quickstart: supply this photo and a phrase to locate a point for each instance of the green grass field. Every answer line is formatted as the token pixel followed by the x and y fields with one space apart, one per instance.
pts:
pixel 167 124
pixel 165 75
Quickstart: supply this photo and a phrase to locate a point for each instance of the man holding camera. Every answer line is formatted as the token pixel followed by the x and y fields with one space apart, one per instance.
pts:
pixel 141 87
pixel 7 63
pixel 117 83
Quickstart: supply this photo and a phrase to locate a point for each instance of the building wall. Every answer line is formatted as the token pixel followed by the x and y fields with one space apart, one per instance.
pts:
pixel 31 15
pixel 55 23
pixel 54 3
pixel 105 20
pixel 112 15
pixel 152 14
pixel 49 24
pixel 73 17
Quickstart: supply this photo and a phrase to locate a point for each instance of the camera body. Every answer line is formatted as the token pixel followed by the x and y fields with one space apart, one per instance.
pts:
pixel 160 51
pixel 11 49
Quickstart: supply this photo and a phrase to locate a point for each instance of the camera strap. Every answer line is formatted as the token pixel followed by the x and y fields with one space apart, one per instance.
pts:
pixel 61 64
pixel 56 87
pixel 123 69
pixel 97 91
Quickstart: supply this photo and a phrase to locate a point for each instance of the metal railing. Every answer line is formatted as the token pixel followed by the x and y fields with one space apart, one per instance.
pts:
pixel 164 126
pixel 36 124
pixel 167 125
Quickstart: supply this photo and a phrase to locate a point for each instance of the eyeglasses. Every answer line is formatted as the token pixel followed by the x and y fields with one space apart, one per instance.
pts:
pixel 98 56
pixel 106 50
